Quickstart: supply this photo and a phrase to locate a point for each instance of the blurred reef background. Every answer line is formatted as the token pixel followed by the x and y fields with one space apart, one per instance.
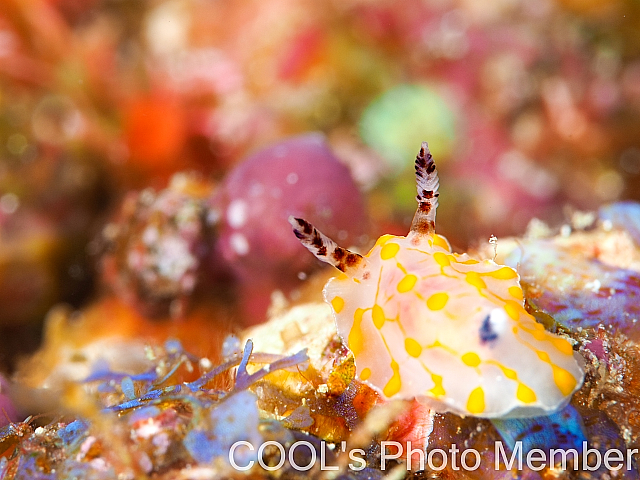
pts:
pixel 151 152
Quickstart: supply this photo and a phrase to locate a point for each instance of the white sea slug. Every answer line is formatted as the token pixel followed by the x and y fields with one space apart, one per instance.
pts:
pixel 444 328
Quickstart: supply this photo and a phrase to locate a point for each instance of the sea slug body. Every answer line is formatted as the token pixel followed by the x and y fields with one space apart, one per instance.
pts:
pixel 444 328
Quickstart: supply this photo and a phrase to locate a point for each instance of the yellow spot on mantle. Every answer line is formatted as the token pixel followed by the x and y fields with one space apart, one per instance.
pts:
pixel 513 309
pixel 412 347
pixel 442 259
pixel 471 359
pixel 437 301
pixel 539 335
pixel 356 340
pixel 475 404
pixel 544 356
pixel 510 374
pixel 394 384
pixel 469 261
pixel 565 382
pixel 515 292
pixel 437 390
pixel 338 304
pixel 563 346
pixel 378 317
pixel 382 240
pixel 407 283
pixel 504 273
pixel 473 279
pixel 440 241
pixel 365 374
pixel 389 251
pixel 525 394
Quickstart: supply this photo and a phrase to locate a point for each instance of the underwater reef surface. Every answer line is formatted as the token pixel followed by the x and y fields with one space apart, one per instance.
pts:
pixel 140 410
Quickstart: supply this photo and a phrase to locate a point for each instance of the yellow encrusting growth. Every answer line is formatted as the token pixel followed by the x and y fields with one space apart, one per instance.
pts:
pixel 365 374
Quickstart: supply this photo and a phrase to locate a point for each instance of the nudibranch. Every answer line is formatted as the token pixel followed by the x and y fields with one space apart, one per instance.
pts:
pixel 442 327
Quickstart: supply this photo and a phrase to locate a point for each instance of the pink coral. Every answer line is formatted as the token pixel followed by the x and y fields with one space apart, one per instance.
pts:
pixel 299 176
